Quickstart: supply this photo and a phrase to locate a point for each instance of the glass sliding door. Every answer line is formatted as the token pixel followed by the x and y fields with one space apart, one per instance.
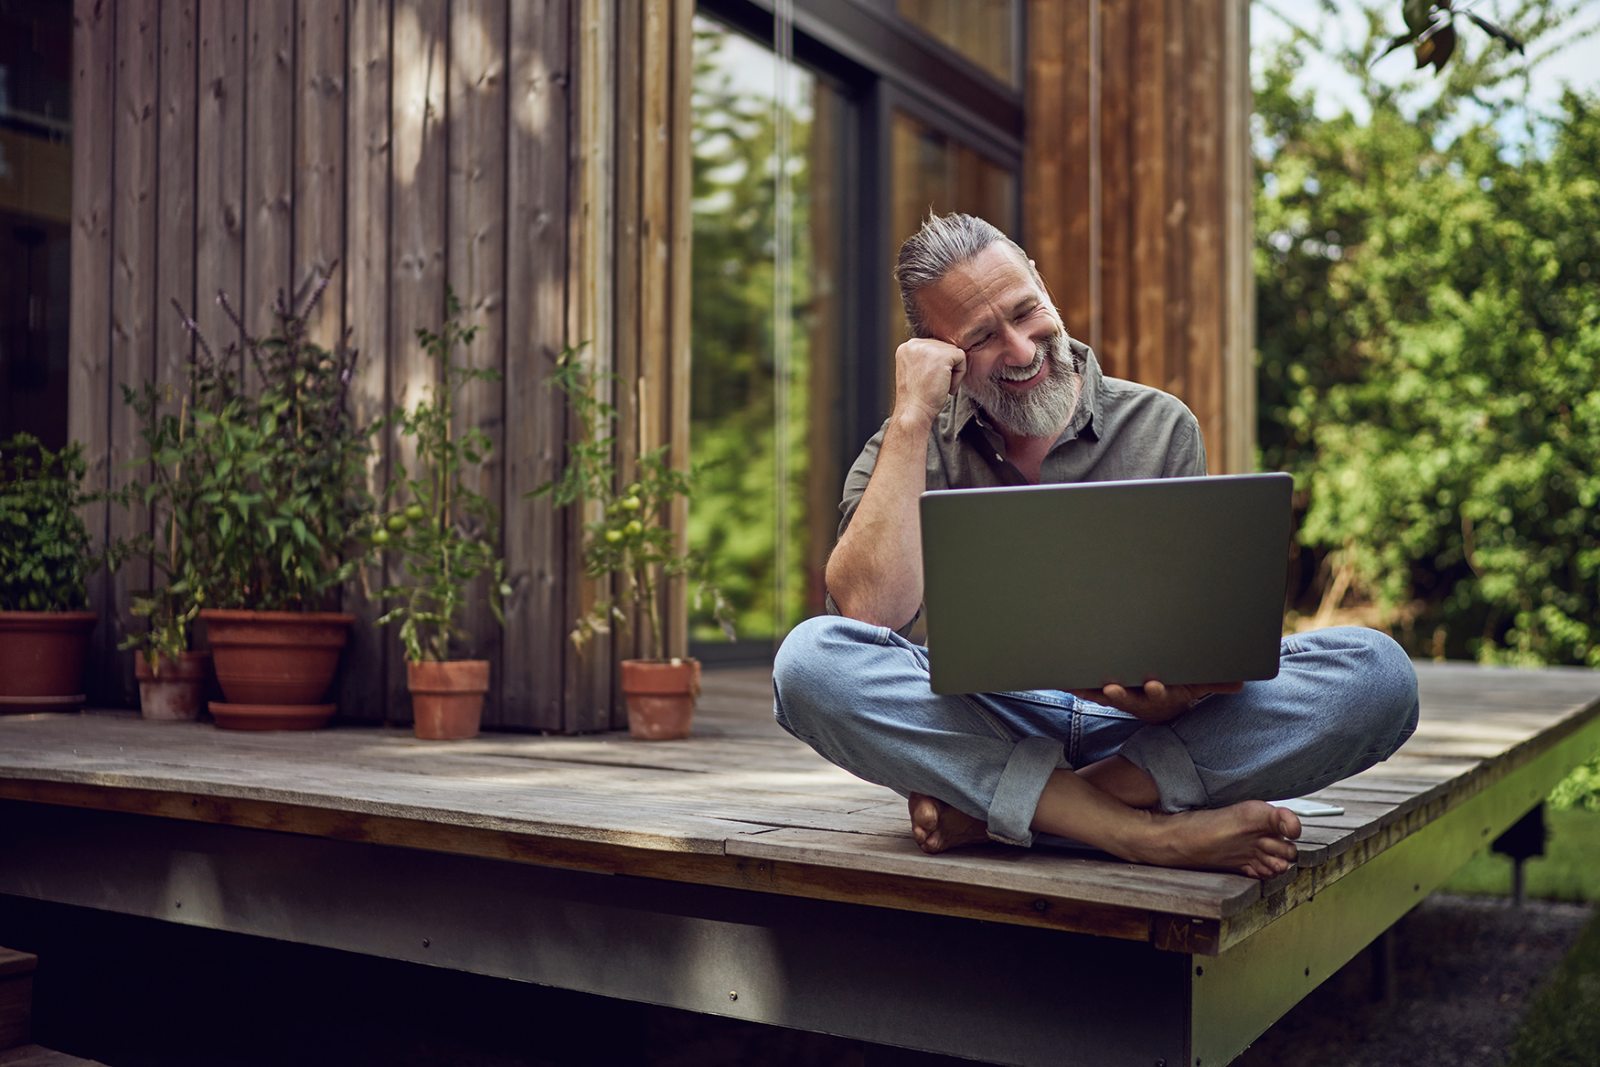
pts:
pixel 765 329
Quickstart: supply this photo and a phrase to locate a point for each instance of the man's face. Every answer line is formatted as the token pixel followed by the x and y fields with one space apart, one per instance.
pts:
pixel 995 310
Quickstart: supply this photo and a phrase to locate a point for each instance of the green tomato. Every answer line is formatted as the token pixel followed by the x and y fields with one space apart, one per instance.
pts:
pixel 613 536
pixel 380 536
pixel 631 504
pixel 635 489
pixel 415 513
pixel 397 523
pixel 634 528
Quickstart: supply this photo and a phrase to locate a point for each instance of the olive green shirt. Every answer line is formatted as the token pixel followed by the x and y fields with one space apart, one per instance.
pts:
pixel 1120 430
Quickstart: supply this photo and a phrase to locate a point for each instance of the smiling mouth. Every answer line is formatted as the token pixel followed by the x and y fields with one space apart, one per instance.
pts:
pixel 1030 374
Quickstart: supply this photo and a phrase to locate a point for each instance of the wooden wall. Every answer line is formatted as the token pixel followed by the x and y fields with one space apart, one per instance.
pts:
pixel 1137 196
pixel 534 156
pixel 420 143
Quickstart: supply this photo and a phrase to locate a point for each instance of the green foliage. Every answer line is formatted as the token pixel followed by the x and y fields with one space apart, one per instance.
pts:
pixel 629 540
pixel 1580 789
pixel 734 387
pixel 46 554
pixel 1562 1029
pixel 1429 337
pixel 174 494
pixel 268 484
pixel 444 531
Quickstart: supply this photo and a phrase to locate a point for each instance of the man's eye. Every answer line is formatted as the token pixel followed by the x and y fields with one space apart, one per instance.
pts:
pixel 981 342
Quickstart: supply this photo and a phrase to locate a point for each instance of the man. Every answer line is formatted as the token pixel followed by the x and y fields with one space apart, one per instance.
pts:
pixel 992 391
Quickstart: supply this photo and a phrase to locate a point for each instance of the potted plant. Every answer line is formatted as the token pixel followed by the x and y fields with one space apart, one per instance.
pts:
pixel 46 557
pixel 172 676
pixel 445 535
pixel 631 544
pixel 278 494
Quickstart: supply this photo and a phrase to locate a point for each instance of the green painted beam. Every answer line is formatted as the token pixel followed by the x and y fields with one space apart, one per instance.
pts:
pixel 1235 996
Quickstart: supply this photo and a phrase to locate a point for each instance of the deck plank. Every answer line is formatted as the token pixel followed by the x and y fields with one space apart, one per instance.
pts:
pixel 742 792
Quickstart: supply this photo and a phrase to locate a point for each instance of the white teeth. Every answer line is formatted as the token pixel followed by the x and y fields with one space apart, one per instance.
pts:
pixel 1022 376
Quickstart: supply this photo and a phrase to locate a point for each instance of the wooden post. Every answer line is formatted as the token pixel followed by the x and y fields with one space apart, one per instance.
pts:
pixel 1238 191
pixel 269 76
pixel 133 303
pixel 540 566
pixel 319 147
pixel 477 269
pixel 363 692
pixel 680 283
pixel 219 169
pixel 418 213
pixel 587 674
pixel 93 185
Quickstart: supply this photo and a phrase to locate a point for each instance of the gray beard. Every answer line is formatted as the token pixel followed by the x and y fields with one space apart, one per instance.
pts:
pixel 1042 411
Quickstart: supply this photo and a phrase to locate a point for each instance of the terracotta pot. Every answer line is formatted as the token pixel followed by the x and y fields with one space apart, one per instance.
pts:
pixel 271 716
pixel 173 692
pixel 661 695
pixel 447 698
pixel 275 657
pixel 41 659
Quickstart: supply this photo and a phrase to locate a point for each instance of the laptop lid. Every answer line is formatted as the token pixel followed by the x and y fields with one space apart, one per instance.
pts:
pixel 1076 586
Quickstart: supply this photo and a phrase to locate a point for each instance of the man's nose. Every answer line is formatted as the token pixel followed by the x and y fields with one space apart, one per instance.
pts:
pixel 1019 347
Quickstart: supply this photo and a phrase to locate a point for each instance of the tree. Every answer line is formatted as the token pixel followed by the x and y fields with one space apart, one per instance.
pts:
pixel 1429 342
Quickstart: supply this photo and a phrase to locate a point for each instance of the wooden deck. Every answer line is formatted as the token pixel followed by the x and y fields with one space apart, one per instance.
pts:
pixel 742 806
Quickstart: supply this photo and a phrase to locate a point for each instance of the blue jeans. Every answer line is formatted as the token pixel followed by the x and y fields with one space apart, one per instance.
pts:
pixel 1344 699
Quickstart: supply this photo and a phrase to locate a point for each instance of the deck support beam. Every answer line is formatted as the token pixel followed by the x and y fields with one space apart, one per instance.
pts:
pixel 1247 988
pixel 987 991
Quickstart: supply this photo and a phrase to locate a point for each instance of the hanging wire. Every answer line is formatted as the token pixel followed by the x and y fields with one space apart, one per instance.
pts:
pixel 782 305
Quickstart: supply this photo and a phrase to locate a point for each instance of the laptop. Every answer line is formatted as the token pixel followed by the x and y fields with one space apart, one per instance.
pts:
pixel 1077 586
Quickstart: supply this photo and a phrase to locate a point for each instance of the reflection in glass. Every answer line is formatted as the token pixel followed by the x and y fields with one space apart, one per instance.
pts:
pixel 985 31
pixel 35 217
pixel 734 417
pixel 933 172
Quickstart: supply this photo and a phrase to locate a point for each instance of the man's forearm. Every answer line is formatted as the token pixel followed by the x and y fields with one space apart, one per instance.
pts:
pixel 875 572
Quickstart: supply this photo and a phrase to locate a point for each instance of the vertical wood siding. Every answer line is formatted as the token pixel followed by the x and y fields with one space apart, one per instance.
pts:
pixel 247 146
pixel 532 155
pixel 1137 194
pixel 89 390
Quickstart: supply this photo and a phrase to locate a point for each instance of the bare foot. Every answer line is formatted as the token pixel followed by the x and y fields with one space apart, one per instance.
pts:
pixel 937 826
pixel 1253 838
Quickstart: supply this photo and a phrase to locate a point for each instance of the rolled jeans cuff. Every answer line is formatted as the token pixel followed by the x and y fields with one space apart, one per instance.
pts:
pixel 1016 795
pixel 1159 752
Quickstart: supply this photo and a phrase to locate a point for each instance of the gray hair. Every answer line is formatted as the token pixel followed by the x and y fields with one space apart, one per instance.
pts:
pixel 943 242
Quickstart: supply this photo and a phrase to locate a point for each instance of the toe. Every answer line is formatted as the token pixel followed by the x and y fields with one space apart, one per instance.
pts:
pixel 1288 823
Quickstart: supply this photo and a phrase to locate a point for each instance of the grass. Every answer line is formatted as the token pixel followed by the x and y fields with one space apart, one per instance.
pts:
pixel 1563 1026
pixel 1569 870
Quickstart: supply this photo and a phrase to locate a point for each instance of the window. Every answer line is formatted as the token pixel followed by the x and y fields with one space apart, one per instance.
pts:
pixel 876 122
pixel 35 218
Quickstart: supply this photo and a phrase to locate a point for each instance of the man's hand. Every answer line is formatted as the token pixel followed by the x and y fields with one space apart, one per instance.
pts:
pixel 926 371
pixel 1155 702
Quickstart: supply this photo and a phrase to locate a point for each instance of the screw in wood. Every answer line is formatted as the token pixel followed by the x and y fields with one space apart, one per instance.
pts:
pixel 733 994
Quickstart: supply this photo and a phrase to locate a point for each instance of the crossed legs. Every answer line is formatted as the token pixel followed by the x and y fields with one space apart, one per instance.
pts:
pixel 1001 766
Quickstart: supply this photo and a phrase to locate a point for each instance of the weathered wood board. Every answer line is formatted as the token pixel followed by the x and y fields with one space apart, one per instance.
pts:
pixel 742 803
